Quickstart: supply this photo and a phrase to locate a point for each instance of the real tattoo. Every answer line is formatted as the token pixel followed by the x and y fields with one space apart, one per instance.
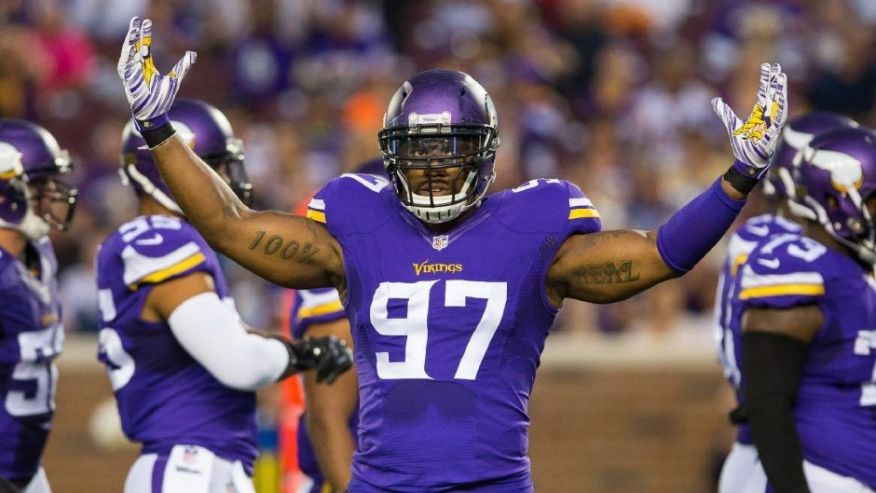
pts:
pixel 607 273
pixel 291 250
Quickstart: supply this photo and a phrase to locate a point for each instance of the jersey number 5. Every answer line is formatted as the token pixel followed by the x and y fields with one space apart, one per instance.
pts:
pixel 415 325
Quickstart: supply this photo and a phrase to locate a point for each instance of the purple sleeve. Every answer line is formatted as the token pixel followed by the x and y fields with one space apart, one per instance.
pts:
pixel 695 228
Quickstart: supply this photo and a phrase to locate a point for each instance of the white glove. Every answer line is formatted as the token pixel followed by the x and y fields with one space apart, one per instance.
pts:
pixel 754 141
pixel 149 93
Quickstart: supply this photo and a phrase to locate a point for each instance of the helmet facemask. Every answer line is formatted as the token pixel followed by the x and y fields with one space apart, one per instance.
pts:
pixel 230 167
pixel 53 201
pixel 439 171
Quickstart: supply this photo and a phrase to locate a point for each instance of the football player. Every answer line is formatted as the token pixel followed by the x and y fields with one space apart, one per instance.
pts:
pixel 805 304
pixel 33 200
pixel 181 362
pixel 741 465
pixel 450 293
pixel 327 431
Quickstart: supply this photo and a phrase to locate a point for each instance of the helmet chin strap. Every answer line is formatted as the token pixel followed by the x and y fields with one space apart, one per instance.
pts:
pixel 441 209
pixel 152 190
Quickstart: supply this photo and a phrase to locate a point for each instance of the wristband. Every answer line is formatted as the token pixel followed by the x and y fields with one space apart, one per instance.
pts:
pixel 156 130
pixel 743 183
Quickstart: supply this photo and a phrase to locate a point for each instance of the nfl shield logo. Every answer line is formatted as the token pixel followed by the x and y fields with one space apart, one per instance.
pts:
pixel 439 242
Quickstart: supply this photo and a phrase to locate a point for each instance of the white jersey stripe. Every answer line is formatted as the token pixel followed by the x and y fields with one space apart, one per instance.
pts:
pixel 138 266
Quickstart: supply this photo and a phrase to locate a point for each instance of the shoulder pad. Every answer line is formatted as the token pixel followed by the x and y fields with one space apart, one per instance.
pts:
pixel 353 203
pixel 314 306
pixel 156 248
pixel 785 270
pixel 754 232
pixel 548 205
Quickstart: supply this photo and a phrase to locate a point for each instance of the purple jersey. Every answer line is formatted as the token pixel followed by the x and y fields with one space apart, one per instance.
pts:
pixel 835 411
pixel 448 330
pixel 314 306
pixel 31 337
pixel 754 232
pixel 165 397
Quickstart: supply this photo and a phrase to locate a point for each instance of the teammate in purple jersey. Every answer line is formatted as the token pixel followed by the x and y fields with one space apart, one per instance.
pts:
pixel 450 293
pixel 742 465
pixel 32 201
pixel 804 308
pixel 327 430
pixel 180 360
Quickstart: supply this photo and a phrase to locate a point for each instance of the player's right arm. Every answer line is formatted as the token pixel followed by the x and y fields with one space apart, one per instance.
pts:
pixel 284 249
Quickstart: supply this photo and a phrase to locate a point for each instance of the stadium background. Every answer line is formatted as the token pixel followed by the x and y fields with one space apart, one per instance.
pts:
pixel 610 94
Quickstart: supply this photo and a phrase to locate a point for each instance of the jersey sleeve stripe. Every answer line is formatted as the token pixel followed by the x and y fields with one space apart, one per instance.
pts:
pixel 782 290
pixel 580 202
pixel 579 213
pixel 317 204
pixel 183 266
pixel 318 216
pixel 9 174
pixel 139 266
pixel 752 280
pixel 315 311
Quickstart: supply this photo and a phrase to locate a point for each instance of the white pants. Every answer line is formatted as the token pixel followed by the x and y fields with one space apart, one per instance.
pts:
pixel 743 473
pixel 187 469
pixel 39 483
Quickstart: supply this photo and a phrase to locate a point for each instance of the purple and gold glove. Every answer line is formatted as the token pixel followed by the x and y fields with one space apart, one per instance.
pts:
pixel 149 93
pixel 754 141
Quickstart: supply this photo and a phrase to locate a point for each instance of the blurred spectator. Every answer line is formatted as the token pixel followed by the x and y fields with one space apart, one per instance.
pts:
pixel 611 95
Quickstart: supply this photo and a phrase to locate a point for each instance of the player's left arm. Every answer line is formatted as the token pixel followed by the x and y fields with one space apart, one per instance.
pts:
pixel 614 265
pixel 774 347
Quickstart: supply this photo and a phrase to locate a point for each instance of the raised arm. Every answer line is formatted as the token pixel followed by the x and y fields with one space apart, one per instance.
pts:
pixel 285 249
pixel 614 265
pixel 288 250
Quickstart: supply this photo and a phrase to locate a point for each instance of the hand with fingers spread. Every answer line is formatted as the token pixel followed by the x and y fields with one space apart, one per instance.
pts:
pixel 150 94
pixel 754 140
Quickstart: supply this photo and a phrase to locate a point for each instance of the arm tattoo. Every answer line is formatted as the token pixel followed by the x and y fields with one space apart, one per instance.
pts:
pixel 606 273
pixel 287 250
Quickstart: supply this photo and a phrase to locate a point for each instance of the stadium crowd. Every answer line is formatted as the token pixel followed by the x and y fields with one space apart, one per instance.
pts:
pixel 611 95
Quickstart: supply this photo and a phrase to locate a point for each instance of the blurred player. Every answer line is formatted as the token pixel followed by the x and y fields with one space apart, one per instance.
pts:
pixel 327 432
pixel 180 360
pixel 742 463
pixel 450 293
pixel 32 201
pixel 805 305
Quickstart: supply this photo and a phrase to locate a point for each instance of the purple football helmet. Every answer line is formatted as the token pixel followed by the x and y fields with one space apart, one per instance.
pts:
pixel 207 131
pixel 835 178
pixel 442 122
pixel 795 136
pixel 47 202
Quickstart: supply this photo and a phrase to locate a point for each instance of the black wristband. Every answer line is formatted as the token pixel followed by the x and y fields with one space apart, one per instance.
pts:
pixel 743 184
pixel 156 135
